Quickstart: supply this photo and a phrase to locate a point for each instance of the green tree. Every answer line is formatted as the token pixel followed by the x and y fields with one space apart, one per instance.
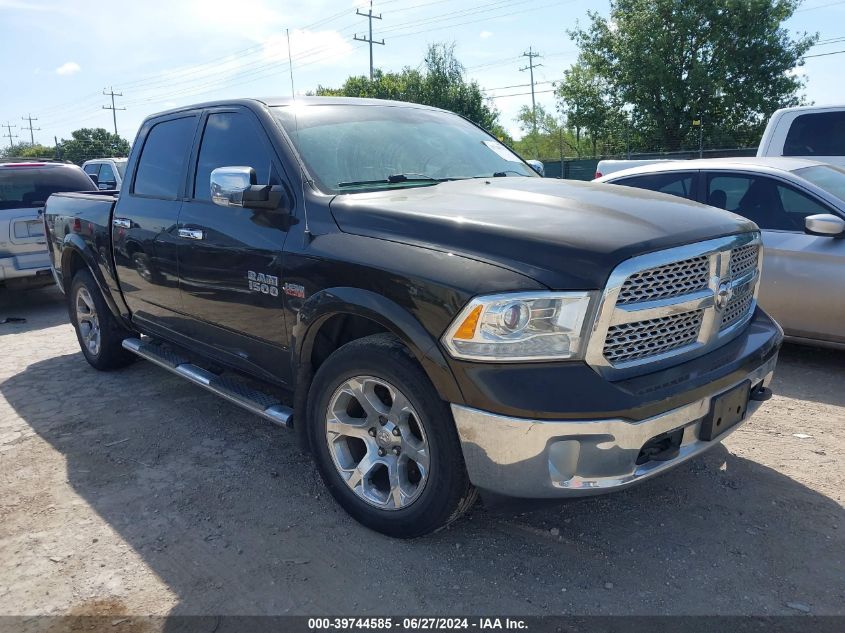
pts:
pixel 726 62
pixel 550 142
pixel 441 82
pixel 88 143
pixel 28 150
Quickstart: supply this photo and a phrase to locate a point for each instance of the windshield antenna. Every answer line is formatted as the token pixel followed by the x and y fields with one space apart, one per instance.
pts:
pixel 307 232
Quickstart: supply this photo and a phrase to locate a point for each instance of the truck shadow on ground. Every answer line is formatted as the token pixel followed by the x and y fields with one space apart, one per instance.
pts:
pixel 227 512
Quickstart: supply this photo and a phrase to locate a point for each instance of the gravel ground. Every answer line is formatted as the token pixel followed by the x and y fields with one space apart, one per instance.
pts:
pixel 134 492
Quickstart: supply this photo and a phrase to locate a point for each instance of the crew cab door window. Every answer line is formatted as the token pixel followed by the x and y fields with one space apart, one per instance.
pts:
pixel 230 140
pixel 161 167
pixel 92 169
pixel 771 204
pixel 676 184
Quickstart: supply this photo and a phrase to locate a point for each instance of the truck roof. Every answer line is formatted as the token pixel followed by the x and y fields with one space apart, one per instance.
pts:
pixel 286 101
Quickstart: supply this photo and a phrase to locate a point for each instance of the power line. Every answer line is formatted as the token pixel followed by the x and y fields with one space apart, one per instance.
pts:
pixel 370 17
pixel 30 128
pixel 825 54
pixel 9 134
pixel 113 109
pixel 520 94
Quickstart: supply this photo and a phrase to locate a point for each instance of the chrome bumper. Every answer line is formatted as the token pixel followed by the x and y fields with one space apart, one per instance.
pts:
pixel 541 458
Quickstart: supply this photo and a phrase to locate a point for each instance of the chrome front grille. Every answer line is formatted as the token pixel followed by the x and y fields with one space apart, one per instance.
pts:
pixel 673 304
pixel 662 282
pixel 744 260
pixel 633 341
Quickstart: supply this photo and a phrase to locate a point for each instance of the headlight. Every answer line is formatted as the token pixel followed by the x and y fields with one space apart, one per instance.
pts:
pixel 521 326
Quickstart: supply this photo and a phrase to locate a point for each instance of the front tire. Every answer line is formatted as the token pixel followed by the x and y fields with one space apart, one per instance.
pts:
pixel 384 441
pixel 99 334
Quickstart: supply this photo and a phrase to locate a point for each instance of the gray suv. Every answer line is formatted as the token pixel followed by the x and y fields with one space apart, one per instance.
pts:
pixel 25 185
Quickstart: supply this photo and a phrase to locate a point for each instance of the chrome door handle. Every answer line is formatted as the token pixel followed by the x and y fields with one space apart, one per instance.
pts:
pixel 122 223
pixel 191 234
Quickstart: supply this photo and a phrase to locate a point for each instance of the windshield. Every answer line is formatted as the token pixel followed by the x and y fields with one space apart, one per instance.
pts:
pixel 22 187
pixel 349 148
pixel 829 178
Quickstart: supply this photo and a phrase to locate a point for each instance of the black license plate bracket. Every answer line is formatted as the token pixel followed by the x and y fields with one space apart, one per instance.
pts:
pixel 726 410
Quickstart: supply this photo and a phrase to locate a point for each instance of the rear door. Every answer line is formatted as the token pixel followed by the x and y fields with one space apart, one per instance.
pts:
pixel 802 286
pixel 230 259
pixel 144 223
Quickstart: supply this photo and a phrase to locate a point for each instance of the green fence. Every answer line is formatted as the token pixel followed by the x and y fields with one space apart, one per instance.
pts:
pixel 585 168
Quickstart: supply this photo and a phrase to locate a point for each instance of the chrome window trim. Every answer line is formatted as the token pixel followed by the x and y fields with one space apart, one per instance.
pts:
pixel 710 335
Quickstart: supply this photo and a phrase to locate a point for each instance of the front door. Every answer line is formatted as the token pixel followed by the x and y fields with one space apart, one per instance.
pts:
pixel 230 259
pixel 802 286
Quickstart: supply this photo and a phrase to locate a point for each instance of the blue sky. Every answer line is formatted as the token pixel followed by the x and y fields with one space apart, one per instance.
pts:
pixel 59 55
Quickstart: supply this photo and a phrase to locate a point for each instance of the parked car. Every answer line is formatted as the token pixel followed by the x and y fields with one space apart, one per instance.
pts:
pixel 800 206
pixel 816 132
pixel 25 185
pixel 108 173
pixel 609 166
pixel 429 315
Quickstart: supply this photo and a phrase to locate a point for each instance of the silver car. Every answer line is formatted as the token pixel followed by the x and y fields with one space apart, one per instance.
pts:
pixel 800 206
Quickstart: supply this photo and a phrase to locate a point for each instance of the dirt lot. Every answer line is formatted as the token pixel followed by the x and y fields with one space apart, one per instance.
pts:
pixel 135 492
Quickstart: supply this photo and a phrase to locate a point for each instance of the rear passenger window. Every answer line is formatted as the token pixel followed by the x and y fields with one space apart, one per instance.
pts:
pixel 230 140
pixel 818 134
pixel 163 159
pixel 92 169
pixel 676 184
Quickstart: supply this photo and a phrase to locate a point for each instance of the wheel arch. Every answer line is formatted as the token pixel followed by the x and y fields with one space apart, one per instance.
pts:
pixel 358 312
pixel 78 255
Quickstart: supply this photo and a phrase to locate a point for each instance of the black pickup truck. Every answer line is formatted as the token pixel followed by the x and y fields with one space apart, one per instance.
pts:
pixel 425 312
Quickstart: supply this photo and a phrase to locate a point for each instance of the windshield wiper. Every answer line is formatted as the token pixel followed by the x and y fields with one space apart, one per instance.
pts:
pixel 392 180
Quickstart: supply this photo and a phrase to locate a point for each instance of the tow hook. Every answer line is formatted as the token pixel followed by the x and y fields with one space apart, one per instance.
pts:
pixel 761 394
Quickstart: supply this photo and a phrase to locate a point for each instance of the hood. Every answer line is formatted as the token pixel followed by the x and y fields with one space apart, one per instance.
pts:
pixel 564 234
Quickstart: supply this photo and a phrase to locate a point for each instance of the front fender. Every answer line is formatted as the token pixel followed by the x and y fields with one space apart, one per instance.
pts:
pixel 321 306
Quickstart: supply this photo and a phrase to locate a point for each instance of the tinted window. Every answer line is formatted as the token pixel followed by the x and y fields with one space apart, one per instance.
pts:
pixel 676 184
pixel 770 204
pixel 107 175
pixel 819 134
pixel 92 169
pixel 230 140
pixel 31 186
pixel 163 158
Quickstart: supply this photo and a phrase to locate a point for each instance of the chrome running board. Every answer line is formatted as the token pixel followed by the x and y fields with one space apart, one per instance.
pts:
pixel 266 405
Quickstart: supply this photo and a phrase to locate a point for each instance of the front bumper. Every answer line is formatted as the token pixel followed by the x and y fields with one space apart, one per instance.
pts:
pixel 541 458
pixel 28 265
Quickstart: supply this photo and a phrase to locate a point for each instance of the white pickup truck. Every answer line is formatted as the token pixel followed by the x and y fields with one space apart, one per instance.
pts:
pixel 816 132
pixel 25 185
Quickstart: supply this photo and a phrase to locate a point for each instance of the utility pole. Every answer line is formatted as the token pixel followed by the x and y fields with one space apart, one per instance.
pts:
pixel 699 123
pixel 58 149
pixel 30 128
pixel 111 93
pixel 370 17
pixel 530 68
pixel 9 134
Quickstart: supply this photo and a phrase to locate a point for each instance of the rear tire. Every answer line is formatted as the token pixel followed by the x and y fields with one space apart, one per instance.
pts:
pixel 99 334
pixel 384 441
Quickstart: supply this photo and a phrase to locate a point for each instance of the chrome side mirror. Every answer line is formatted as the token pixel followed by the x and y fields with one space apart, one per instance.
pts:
pixel 537 166
pixel 235 187
pixel 824 224
pixel 228 185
